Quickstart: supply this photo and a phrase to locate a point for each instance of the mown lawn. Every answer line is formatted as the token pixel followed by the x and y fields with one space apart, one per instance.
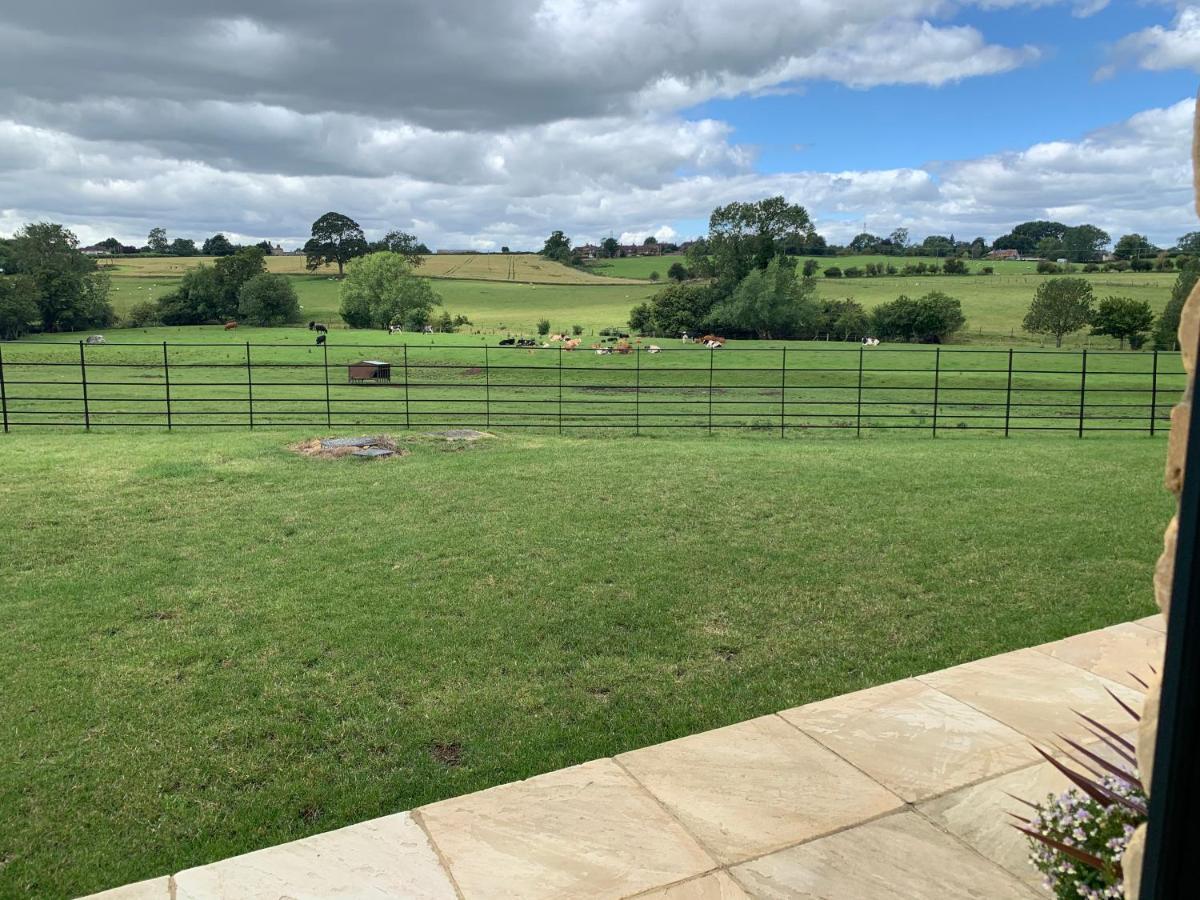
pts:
pixel 215 645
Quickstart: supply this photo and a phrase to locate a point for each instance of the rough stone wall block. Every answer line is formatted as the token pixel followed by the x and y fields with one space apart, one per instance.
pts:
pixel 1189 337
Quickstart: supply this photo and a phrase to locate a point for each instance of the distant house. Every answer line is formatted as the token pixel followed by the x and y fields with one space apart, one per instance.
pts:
pixel 587 251
pixel 277 250
pixel 442 252
pixel 95 250
pixel 1004 254
pixel 639 250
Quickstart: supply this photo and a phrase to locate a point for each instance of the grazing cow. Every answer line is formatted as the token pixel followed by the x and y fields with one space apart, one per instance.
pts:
pixel 321 340
pixel 318 327
pixel 95 339
pixel 229 326
pixel 508 342
pixel 687 338
pixel 653 348
pixel 395 329
pixel 428 329
pixel 870 342
pixel 711 338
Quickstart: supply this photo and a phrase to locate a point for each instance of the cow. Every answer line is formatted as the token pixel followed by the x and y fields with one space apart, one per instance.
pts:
pixel 710 339
pixel 653 348
pixel 321 340
pixel 508 342
pixel 526 342
pixel 623 348
pixel 686 338
pixel 229 326
pixel 713 345
pixel 555 338
pixel 318 327
pixel 571 344
pixel 870 342
pixel 395 329
pixel 95 339
pixel 428 329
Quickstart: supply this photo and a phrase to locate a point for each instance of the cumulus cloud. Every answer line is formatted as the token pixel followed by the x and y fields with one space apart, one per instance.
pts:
pixel 1159 48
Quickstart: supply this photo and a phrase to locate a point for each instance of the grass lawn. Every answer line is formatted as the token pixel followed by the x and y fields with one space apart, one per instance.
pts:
pixel 216 645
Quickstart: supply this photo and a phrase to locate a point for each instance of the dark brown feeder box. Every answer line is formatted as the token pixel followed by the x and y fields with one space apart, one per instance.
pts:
pixel 374 371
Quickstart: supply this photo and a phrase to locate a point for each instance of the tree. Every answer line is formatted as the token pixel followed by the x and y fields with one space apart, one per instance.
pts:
pixel 977 248
pixel 1025 237
pixel 543 327
pixel 380 290
pixel 218 245
pixel 266 299
pixel 157 240
pixel 677 272
pixel 650 241
pixel 18 306
pixel 1166 334
pixel 183 247
pixel 197 300
pixel 810 268
pixel 937 245
pixel 406 245
pixel 1084 243
pixel 699 265
pixel 557 247
pixel 954 266
pixel 929 319
pixel 1123 318
pixel 844 318
pixel 235 270
pixel 335 239
pixel 503 249
pixel 609 247
pixel 674 310
pixel 746 236
pixel 143 315
pixel 1133 246
pixel 899 241
pixel 768 303
pixel 1189 243
pixel 1060 306
pixel 71 294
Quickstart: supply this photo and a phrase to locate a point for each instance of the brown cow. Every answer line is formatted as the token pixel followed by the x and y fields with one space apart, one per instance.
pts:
pixel 229 326
pixel 711 338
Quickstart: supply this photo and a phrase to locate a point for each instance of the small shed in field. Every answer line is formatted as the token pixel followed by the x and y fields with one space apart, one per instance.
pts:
pixel 375 371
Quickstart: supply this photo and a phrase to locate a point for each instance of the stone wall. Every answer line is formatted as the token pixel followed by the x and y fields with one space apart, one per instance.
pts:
pixel 1189 338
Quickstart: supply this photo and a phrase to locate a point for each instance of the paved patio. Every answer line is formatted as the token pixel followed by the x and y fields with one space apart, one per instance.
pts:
pixel 898 791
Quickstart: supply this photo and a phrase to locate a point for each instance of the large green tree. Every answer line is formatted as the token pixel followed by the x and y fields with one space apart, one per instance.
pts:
pixel 1124 318
pixel 674 310
pixel 769 303
pixel 18 306
pixel 1024 238
pixel 336 238
pixel 928 319
pixel 71 294
pixel 747 236
pixel 1134 246
pixel 157 240
pixel 183 247
pixel 1189 243
pixel 211 293
pixel 1060 306
pixel 218 245
pixel 557 247
pixel 1084 243
pixel 403 243
pixel 266 299
pixel 380 289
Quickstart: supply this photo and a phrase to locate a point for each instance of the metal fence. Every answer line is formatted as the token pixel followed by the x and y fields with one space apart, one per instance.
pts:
pixel 777 390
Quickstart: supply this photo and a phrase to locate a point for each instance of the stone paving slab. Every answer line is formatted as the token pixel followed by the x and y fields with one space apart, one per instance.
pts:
pixel 756 786
pixel 715 886
pixel 151 889
pixel 900 857
pixel 1118 653
pixel 386 857
pixel 586 831
pixel 915 740
pixel 1158 622
pixel 1034 694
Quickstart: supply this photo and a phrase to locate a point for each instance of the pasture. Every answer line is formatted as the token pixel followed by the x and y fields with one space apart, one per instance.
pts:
pixel 994 305
pixel 522 268
pixel 207 377
pixel 219 645
pixel 642 266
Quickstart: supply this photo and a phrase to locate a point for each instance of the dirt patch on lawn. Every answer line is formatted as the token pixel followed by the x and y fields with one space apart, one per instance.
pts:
pixel 370 447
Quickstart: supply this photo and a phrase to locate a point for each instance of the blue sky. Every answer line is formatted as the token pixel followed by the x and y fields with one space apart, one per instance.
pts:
pixel 629 117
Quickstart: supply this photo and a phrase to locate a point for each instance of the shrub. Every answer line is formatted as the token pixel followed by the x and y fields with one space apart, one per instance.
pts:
pixel 268 300
pixel 833 272
pixel 654 276
pixel 988 270
pixel 18 307
pixel 954 266
pixel 1091 267
pixel 1123 318
pixel 1164 264
pixel 891 270
pixel 143 315
pixel 677 272
pixel 929 319
pixel 577 330
pixel 810 268
pixel 1045 267
pixel 1166 333
pixel 543 327
pixel 853 272
pixel 1141 265
pixel 380 290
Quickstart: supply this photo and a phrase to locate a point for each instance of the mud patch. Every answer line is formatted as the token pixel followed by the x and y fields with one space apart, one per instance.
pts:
pixel 449 754
pixel 371 447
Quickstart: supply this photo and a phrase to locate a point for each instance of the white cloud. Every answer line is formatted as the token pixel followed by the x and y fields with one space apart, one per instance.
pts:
pixel 1159 48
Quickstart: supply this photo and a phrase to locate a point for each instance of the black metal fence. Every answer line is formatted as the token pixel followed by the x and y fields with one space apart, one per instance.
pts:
pixel 773 389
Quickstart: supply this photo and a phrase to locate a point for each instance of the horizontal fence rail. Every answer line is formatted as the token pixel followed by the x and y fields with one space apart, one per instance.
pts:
pixel 775 390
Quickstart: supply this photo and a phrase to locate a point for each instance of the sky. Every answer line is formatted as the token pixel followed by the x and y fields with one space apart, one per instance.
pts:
pixel 477 128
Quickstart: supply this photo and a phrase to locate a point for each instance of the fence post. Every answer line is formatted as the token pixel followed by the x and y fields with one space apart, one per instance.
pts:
pixel 783 394
pixel 1153 393
pixel 249 386
pixel 858 415
pixel 328 411
pixel 487 389
pixel 637 391
pixel 937 371
pixel 407 417
pixel 1008 393
pixel 560 353
pixel 87 415
pixel 3 393
pixel 1082 388
pixel 167 382
pixel 711 352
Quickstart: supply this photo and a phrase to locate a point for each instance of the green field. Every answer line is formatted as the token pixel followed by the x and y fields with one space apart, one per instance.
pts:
pixel 218 645
pixel 211 377
pixel 994 305
pixel 642 266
